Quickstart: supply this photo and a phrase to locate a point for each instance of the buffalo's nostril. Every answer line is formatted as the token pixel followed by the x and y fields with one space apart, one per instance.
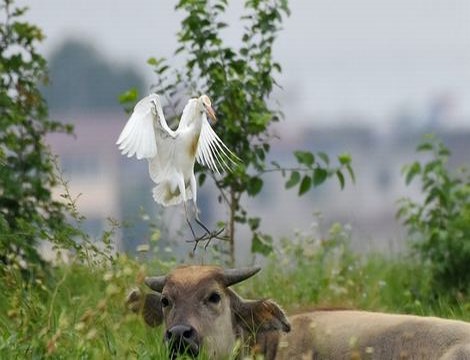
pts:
pixel 183 339
pixel 188 334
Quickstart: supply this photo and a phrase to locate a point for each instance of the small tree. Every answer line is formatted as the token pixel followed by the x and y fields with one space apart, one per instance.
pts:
pixel 440 224
pixel 28 212
pixel 239 81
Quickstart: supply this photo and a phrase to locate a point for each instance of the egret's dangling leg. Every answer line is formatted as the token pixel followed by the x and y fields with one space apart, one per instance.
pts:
pixel 192 184
pixel 187 220
pixel 209 234
pixel 182 189
pixel 199 222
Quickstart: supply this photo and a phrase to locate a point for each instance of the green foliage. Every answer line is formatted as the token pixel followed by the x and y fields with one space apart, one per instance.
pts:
pixel 28 212
pixel 29 173
pixel 440 223
pixel 240 81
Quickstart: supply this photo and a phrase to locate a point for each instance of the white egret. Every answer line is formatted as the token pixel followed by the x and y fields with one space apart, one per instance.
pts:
pixel 171 154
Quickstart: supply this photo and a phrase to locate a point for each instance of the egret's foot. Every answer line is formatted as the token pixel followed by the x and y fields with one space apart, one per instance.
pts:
pixel 215 235
pixel 207 237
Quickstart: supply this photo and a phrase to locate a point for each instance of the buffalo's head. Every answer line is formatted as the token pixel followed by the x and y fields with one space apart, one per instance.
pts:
pixel 199 309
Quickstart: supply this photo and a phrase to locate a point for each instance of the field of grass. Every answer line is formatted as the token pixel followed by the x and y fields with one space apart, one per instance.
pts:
pixel 77 311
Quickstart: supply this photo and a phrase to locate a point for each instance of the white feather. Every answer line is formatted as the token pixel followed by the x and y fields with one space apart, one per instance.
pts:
pixel 164 194
pixel 211 150
pixel 138 136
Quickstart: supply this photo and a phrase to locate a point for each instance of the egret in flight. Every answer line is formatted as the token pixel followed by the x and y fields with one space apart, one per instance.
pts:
pixel 171 154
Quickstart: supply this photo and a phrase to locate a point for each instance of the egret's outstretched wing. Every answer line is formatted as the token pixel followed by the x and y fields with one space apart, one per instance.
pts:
pixel 138 136
pixel 212 152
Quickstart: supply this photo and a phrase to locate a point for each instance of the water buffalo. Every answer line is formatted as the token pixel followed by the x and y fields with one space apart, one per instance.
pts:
pixel 199 310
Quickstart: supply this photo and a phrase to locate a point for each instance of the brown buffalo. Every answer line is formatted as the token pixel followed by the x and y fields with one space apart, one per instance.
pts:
pixel 199 310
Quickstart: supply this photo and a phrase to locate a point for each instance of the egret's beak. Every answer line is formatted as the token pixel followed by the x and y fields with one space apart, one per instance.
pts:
pixel 211 114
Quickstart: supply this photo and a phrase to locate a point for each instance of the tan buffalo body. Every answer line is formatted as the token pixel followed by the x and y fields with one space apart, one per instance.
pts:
pixel 367 335
pixel 201 313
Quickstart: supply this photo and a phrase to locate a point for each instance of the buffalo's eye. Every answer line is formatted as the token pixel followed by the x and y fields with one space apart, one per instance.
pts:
pixel 214 298
pixel 165 302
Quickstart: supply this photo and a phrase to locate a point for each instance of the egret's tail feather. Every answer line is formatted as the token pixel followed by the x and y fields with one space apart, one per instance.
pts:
pixel 163 194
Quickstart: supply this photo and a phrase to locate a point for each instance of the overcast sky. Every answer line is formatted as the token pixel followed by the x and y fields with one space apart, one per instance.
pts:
pixel 340 57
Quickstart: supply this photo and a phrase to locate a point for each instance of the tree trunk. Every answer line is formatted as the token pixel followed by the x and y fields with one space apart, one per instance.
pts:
pixel 233 209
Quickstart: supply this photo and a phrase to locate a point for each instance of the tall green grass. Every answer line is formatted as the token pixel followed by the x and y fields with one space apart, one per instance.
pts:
pixel 77 311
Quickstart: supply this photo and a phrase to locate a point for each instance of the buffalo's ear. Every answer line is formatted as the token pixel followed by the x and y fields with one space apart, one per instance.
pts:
pixel 256 316
pixel 149 305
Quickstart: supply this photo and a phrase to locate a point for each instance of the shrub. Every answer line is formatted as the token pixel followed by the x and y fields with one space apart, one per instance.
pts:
pixel 440 224
pixel 28 211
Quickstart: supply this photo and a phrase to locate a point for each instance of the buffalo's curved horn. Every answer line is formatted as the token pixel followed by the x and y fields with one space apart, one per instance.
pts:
pixel 234 276
pixel 156 283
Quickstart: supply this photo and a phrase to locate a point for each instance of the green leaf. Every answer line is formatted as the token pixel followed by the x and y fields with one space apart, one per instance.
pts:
pixel 254 186
pixel 412 171
pixel 305 185
pixel 433 166
pixel 425 146
pixel 152 61
pixel 285 7
pixel 351 173
pixel 262 244
pixel 254 223
pixel 275 164
pixel 129 98
pixel 344 159
pixel 261 119
pixel 293 180
pixel 260 153
pixel 319 176
pixel 340 177
pixel 443 151
pixel 201 179
pixel 324 157
pixel 304 157
pixel 180 49
pixel 162 69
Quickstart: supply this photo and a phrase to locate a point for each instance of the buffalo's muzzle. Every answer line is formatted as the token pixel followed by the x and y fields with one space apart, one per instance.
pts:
pixel 182 339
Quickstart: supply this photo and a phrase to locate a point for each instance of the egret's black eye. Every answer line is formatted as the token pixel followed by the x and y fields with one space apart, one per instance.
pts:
pixel 214 298
pixel 165 302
